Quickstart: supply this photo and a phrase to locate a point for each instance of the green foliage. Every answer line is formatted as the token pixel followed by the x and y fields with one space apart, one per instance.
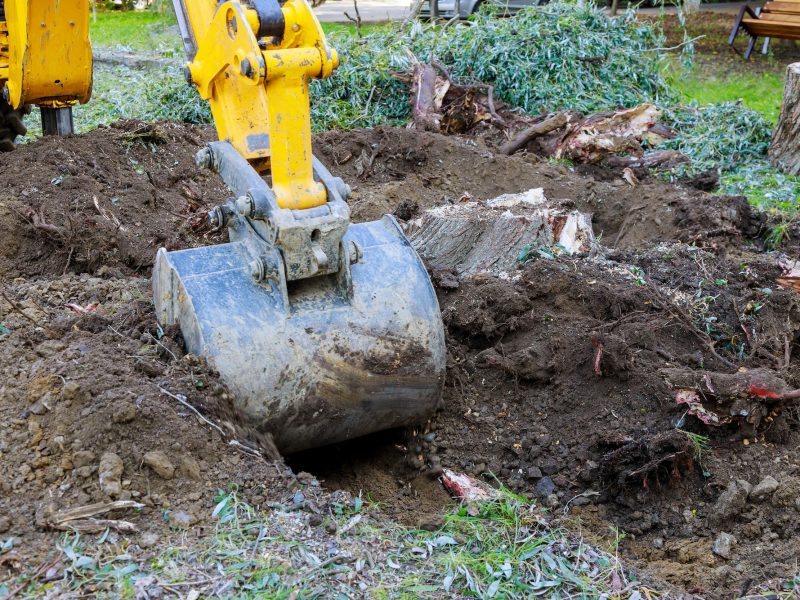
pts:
pixel 765 187
pixel 718 136
pixel 547 58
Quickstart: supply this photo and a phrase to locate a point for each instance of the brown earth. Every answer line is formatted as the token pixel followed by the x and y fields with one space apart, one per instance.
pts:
pixel 679 280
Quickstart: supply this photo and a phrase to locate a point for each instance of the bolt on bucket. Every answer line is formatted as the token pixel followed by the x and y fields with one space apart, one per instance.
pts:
pixel 317 360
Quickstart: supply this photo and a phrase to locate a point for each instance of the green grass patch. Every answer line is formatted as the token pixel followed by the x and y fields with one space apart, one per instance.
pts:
pixel 154 32
pixel 503 548
pixel 136 31
pixel 761 92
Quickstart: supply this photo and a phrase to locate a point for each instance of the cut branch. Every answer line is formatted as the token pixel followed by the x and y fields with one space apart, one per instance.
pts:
pixel 547 126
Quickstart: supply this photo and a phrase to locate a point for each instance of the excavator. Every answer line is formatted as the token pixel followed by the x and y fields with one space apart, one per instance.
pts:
pixel 323 330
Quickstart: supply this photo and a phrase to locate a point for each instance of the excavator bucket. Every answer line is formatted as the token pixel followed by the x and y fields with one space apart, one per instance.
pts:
pixel 315 360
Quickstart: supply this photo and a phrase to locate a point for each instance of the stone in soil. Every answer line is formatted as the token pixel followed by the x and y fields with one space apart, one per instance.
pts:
pixel 766 487
pixel 723 545
pixel 110 474
pixel 160 463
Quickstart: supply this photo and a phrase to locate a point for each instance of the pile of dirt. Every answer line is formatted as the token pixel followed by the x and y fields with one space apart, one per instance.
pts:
pixel 553 387
pixel 110 199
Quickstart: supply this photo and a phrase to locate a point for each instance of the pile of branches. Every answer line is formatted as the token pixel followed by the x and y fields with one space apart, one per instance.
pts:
pixel 550 58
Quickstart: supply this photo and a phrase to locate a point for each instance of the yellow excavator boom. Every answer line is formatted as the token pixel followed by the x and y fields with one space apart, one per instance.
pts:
pixel 253 64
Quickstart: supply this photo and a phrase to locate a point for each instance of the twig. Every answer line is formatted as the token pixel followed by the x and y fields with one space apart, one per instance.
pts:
pixel 155 339
pixel 17 308
pixel 193 409
pixel 787 351
pixel 357 20
pixel 694 39
pixel 39 223
pixel 707 341
pixel 597 356
pixel 43 569
pixel 69 260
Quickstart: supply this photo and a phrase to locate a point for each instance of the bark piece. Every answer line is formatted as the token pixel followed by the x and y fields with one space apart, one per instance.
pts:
pixel 784 150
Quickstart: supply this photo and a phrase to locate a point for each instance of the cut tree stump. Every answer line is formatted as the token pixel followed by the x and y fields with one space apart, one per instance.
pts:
pixel 784 150
pixel 491 236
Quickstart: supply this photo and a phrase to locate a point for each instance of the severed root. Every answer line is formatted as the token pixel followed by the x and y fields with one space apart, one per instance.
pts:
pixel 751 399
pixel 39 223
pixel 647 460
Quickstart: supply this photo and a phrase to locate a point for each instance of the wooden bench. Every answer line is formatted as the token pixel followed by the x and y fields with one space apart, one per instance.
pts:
pixel 780 19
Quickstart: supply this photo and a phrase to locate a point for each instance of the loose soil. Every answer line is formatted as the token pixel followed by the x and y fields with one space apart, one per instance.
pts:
pixel 553 384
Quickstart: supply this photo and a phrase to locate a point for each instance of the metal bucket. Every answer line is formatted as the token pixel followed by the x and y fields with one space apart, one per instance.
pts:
pixel 318 360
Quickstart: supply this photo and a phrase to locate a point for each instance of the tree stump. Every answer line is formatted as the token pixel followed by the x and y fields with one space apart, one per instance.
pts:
pixel 784 150
pixel 496 235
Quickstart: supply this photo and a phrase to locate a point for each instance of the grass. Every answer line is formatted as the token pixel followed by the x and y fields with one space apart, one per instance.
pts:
pixel 502 548
pixel 141 31
pixel 761 92
pixel 147 31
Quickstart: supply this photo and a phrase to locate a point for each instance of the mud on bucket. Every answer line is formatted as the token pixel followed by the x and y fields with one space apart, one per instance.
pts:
pixel 326 359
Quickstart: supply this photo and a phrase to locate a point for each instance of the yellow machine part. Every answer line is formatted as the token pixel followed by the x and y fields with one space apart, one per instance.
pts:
pixel 46 57
pixel 258 89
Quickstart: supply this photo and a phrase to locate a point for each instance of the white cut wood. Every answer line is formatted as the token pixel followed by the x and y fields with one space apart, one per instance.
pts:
pixel 489 236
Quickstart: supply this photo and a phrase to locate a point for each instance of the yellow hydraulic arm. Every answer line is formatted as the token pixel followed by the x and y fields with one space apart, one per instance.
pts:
pixel 252 60
pixel 46 58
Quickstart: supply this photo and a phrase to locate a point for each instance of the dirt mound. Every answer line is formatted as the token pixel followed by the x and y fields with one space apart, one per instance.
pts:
pixel 106 200
pixel 403 171
pixel 553 386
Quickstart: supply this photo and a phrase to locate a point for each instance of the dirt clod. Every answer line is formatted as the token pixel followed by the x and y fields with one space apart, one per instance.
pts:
pixel 160 463
pixel 110 474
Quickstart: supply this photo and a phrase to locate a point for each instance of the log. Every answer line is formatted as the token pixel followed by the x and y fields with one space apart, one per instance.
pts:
pixel 784 150
pixel 496 235
pixel 425 114
pixel 557 121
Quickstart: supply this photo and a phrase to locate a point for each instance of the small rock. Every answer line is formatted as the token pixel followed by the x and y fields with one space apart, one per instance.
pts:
pixel 314 520
pixel 5 524
pixel 181 519
pixel 766 487
pixel 550 468
pixel 125 412
pixel 190 468
pixel 110 474
pixel 86 471
pixel 50 347
pixel 544 487
pixel 534 473
pixel 430 522
pixel 83 458
pixel 39 407
pixel 72 390
pixel 730 503
pixel 658 543
pixel 148 539
pixel 723 545
pixel 744 484
pixel 160 463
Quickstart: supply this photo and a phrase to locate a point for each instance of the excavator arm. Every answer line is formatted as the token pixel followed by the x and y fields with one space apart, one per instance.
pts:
pixel 253 62
pixel 322 329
